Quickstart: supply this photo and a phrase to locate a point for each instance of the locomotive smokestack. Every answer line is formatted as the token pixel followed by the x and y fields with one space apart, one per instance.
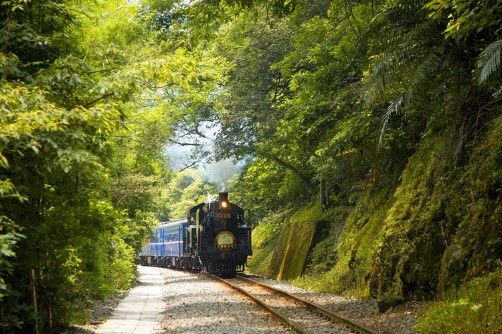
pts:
pixel 223 200
pixel 223 197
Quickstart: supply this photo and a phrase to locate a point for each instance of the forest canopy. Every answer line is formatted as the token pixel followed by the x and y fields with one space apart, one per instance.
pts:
pixel 323 102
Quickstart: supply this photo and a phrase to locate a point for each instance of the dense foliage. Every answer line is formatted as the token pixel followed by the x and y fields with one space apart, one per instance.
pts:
pixel 386 113
pixel 82 159
pixel 326 93
pixel 379 118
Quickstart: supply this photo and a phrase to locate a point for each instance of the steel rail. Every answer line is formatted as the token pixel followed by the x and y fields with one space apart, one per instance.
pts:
pixel 359 328
pixel 282 318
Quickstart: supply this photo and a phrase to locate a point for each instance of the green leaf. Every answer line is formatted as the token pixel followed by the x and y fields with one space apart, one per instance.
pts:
pixel 489 60
pixel 3 161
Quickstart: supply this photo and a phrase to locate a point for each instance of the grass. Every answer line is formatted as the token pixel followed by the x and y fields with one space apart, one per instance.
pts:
pixel 474 308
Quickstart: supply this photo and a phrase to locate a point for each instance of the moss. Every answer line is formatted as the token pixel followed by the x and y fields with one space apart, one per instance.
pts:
pixel 355 235
pixel 477 242
pixel 294 243
pixel 406 265
pixel 443 227
pixel 474 308
pixel 321 255
pixel 431 227
pixel 282 241
pixel 263 243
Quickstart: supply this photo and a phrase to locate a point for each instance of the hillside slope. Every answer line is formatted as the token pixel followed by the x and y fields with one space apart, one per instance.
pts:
pixel 433 228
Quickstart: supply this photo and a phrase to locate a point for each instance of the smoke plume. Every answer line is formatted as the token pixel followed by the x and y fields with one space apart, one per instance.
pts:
pixel 220 173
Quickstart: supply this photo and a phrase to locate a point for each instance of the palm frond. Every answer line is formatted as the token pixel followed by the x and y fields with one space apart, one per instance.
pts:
pixel 489 60
pixel 389 66
pixel 402 15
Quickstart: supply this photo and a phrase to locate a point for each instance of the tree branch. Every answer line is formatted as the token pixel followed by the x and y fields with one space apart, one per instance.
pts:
pixel 289 166
pixel 187 167
pixel 183 143
pixel 96 100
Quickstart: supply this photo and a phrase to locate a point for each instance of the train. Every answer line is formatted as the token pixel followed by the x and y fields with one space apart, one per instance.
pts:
pixel 214 239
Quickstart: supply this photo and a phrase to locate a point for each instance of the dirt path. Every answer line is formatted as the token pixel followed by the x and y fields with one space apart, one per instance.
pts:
pixel 141 311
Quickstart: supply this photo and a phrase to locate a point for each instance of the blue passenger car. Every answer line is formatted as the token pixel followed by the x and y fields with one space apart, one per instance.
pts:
pixel 214 239
pixel 165 245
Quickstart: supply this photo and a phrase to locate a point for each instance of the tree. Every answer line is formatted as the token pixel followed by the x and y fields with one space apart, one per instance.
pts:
pixel 187 189
pixel 68 83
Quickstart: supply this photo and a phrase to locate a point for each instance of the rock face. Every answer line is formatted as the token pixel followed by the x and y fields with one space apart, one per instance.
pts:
pixel 434 224
pixel 293 245
pixel 444 226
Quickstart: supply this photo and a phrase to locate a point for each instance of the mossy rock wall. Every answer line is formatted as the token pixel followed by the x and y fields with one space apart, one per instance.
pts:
pixel 291 250
pixel 444 227
pixel 407 262
pixel 354 236
pixel 284 256
pixel 264 238
pixel 437 226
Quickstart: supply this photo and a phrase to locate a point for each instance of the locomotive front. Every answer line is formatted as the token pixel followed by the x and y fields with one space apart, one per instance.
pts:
pixel 218 236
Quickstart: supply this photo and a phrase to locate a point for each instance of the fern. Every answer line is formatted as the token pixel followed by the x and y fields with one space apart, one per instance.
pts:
pixel 422 76
pixel 393 108
pixel 489 60
pixel 380 73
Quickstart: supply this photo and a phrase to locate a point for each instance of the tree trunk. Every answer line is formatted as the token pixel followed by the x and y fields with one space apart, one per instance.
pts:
pixel 323 195
pixel 34 295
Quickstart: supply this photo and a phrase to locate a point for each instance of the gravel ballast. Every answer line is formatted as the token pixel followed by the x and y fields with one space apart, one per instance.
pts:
pixel 172 301
pixel 398 320
pixel 199 304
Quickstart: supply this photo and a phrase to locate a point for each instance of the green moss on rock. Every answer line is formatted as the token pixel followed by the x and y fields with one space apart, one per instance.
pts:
pixel 431 227
pixel 284 256
pixel 354 237
pixel 474 308
pixel 294 242
pixel 444 227
pixel 263 239
pixel 476 245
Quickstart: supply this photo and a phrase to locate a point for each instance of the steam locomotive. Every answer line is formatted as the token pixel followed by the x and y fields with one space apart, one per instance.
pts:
pixel 213 239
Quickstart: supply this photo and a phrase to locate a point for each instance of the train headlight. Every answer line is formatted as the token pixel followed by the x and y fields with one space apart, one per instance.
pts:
pixel 225 240
pixel 224 205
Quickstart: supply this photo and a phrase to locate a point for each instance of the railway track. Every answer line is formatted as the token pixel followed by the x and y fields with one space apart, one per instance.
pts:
pixel 296 313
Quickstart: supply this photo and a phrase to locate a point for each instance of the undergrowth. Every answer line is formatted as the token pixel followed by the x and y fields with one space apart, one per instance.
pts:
pixel 474 308
pixel 354 236
pixel 263 243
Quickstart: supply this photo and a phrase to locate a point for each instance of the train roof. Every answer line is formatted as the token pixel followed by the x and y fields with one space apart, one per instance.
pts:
pixel 177 222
